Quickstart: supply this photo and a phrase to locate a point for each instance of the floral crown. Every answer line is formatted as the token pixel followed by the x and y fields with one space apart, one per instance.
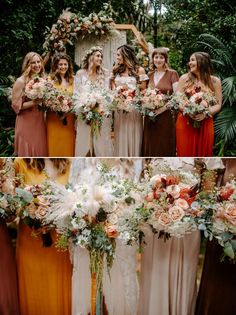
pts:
pixel 90 52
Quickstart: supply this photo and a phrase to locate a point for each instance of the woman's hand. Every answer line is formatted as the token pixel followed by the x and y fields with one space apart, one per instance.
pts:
pixel 160 110
pixel 198 117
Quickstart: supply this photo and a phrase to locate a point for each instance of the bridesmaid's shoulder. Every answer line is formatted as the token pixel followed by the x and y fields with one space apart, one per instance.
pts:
pixel 20 82
pixel 215 80
pixel 80 72
pixel 184 77
pixel 141 70
pixel 172 71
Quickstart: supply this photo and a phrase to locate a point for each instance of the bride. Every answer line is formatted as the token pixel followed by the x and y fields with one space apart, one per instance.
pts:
pixel 121 290
pixel 92 73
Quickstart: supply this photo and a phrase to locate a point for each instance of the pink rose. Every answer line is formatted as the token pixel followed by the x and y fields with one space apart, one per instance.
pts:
pixel 173 190
pixel 181 203
pixel 165 219
pixel 176 213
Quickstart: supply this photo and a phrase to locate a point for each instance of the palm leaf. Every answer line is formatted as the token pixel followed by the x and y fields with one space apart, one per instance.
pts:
pixel 229 90
pixel 225 125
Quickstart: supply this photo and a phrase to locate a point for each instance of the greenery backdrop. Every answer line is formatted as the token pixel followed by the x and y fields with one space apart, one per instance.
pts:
pixel 174 24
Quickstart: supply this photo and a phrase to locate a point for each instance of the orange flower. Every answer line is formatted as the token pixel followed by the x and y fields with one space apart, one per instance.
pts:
pixel 111 230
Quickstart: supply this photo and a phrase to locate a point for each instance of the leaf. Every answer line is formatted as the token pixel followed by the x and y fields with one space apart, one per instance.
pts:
pixel 228 250
pixel 26 195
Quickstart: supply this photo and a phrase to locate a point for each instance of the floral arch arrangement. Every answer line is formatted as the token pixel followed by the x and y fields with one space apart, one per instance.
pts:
pixel 71 26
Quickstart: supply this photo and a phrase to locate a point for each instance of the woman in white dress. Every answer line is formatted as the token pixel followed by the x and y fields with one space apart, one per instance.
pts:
pixel 120 289
pixel 128 127
pixel 169 269
pixel 92 73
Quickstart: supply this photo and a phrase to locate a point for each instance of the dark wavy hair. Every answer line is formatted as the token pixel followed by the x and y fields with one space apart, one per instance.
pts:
pixel 130 62
pixel 205 69
pixel 54 68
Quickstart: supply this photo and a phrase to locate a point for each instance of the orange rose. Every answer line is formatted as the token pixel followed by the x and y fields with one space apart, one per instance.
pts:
pixel 111 230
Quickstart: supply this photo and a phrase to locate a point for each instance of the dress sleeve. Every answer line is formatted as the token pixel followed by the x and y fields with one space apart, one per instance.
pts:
pixel 17 95
pixel 174 77
pixel 143 77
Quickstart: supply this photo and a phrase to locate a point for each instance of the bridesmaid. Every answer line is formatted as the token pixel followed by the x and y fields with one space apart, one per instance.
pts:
pixel 8 276
pixel 217 288
pixel 192 141
pixel 159 135
pixel 128 127
pixel 61 130
pixel 44 273
pixel 30 128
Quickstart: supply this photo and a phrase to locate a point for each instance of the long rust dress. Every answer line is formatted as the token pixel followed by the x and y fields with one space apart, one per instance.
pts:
pixel 8 286
pixel 30 131
pixel 159 135
pixel 44 273
pixel 217 288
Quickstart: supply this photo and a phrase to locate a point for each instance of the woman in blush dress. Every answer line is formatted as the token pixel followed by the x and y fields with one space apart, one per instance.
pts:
pixel 217 288
pixel 30 128
pixel 128 127
pixel 61 130
pixel 44 273
pixel 159 135
pixel 8 288
pixel 92 74
pixel 192 141
pixel 169 268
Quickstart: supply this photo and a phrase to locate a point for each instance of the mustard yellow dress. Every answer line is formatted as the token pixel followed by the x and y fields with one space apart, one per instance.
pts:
pixel 61 136
pixel 44 273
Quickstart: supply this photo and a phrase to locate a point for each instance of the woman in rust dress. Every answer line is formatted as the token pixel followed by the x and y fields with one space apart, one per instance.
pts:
pixel 217 288
pixel 192 141
pixel 159 135
pixel 8 277
pixel 30 128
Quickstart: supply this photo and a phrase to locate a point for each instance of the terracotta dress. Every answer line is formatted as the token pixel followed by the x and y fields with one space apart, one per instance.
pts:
pixel 128 127
pixel 218 283
pixel 30 131
pixel 168 270
pixel 159 135
pixel 192 141
pixel 44 273
pixel 61 133
pixel 8 276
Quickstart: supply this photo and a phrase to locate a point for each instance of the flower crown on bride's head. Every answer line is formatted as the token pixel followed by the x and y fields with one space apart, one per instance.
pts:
pixel 90 52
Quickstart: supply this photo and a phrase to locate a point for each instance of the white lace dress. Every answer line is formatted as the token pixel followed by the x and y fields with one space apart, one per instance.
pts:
pixel 102 141
pixel 128 127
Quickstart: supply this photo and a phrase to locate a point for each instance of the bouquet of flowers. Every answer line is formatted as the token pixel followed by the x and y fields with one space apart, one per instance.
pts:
pixel 169 196
pixel 124 99
pixel 87 214
pixel 149 100
pixel 224 219
pixel 8 183
pixel 56 100
pixel 193 101
pixel 33 211
pixel 93 105
pixel 36 88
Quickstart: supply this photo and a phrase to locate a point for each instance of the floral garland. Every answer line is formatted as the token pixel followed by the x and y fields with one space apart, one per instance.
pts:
pixel 70 26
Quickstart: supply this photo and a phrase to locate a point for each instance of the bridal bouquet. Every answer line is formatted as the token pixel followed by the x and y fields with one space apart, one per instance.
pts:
pixel 149 100
pixel 33 210
pixel 93 105
pixel 56 100
pixel 87 214
pixel 124 99
pixel 36 88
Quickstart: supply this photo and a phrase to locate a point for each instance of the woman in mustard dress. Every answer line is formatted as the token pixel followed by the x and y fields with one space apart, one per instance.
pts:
pixel 44 273
pixel 61 130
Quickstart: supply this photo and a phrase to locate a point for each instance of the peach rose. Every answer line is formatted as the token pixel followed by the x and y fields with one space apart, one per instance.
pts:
pixel 181 203
pixel 176 213
pixel 165 219
pixel 173 190
pixel 111 230
pixel 230 213
pixel 149 197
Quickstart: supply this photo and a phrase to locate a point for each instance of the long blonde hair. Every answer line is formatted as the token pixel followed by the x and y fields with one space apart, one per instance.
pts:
pixel 88 64
pixel 26 66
